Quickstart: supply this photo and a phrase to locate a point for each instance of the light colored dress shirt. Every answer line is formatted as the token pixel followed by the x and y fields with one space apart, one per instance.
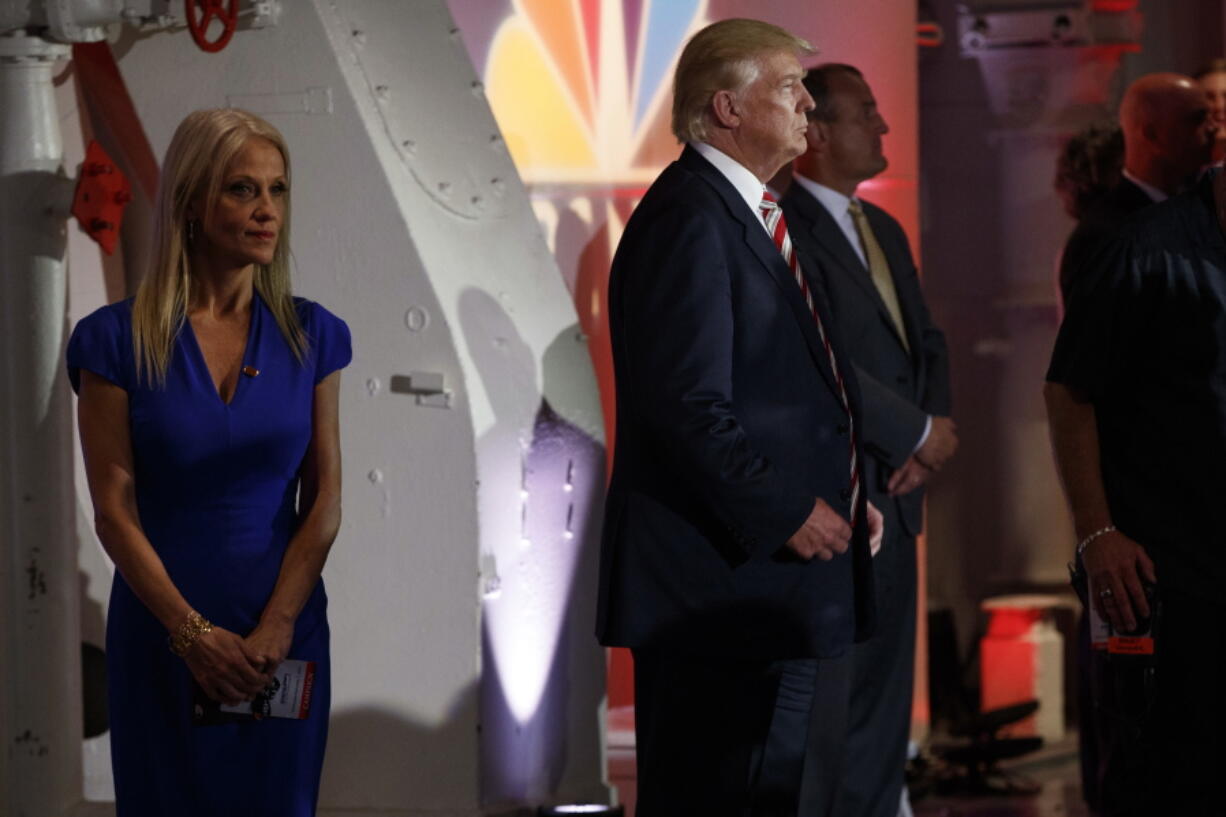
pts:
pixel 836 205
pixel 742 178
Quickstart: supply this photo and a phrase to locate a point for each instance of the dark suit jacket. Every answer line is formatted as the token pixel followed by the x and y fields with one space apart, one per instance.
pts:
pixel 1094 231
pixel 729 425
pixel 900 389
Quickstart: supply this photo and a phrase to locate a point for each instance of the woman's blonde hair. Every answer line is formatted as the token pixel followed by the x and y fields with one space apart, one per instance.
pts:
pixel 722 57
pixel 204 145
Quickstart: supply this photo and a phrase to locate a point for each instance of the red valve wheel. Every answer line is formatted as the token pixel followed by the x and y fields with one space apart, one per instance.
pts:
pixel 200 13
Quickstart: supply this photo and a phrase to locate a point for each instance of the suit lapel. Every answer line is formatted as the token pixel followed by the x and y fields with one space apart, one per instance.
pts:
pixel 836 253
pixel 755 237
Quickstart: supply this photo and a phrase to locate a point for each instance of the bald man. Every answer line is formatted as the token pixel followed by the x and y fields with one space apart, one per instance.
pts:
pixel 1168 138
pixel 1136 400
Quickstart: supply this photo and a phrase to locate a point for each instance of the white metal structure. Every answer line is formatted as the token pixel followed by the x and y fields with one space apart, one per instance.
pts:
pixel 465 674
pixel 38 589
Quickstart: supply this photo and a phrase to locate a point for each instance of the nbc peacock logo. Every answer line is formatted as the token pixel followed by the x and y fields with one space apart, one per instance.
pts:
pixel 582 89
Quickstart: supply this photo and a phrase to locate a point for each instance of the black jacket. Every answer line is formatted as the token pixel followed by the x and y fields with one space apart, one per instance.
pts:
pixel 900 389
pixel 729 425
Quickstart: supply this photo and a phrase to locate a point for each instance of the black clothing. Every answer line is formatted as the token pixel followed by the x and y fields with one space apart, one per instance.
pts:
pixel 777 753
pixel 1144 339
pixel 902 385
pixel 1146 342
pixel 1096 229
pixel 1169 753
pixel 729 426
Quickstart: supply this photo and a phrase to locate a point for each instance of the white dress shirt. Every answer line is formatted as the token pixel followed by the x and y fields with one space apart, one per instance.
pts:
pixel 836 205
pixel 742 178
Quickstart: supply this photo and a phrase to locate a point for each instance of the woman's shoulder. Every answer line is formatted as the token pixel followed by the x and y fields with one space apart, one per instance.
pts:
pixel 330 341
pixel 102 343
pixel 316 318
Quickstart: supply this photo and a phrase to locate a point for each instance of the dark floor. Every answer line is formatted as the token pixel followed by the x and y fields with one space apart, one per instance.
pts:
pixel 1054 769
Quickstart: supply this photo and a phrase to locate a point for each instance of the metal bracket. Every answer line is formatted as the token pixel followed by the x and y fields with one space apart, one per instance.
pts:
pixel 429 388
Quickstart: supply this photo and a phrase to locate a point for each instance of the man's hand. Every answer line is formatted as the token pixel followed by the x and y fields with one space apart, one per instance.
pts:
pixel 909 477
pixel 1116 565
pixel 876 529
pixel 823 534
pixel 941 444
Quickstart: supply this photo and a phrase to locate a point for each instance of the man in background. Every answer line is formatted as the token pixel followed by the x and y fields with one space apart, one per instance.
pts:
pixel 864 262
pixel 1136 400
pixel 1168 138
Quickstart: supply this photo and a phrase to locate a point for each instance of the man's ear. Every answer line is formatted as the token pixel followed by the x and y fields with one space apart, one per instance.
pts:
pixel 726 109
pixel 816 134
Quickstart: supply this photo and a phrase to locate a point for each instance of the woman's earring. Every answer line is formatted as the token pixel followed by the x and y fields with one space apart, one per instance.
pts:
pixel 191 231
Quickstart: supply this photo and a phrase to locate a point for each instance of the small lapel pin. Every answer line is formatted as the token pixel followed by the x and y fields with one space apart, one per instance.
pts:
pixel 250 371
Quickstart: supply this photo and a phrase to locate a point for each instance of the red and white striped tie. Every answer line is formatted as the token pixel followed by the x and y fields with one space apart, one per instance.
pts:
pixel 772 214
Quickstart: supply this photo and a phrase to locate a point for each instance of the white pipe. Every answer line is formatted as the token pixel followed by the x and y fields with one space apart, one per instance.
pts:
pixel 40 677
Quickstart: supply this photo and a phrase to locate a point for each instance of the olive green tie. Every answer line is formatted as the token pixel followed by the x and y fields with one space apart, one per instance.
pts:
pixel 879 269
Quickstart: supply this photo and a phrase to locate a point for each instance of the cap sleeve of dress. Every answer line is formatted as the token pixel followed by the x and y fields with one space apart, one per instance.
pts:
pixel 331 345
pixel 101 343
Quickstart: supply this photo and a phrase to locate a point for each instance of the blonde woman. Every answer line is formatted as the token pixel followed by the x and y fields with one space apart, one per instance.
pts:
pixel 208 417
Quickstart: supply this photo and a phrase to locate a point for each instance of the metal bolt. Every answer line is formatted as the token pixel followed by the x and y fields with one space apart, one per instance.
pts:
pixel 416 318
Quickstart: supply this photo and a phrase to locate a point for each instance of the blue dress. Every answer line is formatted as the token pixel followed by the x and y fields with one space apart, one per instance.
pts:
pixel 216 490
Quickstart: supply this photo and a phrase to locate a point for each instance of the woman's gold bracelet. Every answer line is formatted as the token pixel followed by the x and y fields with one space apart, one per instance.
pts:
pixel 189 632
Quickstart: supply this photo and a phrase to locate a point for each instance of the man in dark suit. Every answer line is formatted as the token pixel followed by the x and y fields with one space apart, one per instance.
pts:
pixel 1166 142
pixel 736 553
pixel 862 258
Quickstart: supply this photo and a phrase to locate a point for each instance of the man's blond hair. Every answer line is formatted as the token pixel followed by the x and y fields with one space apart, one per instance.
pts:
pixel 722 57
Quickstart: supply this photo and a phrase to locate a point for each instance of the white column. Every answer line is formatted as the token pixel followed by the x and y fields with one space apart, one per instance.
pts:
pixel 40 692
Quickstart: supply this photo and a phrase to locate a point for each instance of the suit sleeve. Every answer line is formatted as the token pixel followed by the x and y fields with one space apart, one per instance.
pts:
pixel 892 425
pixel 678 343
pixel 936 399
